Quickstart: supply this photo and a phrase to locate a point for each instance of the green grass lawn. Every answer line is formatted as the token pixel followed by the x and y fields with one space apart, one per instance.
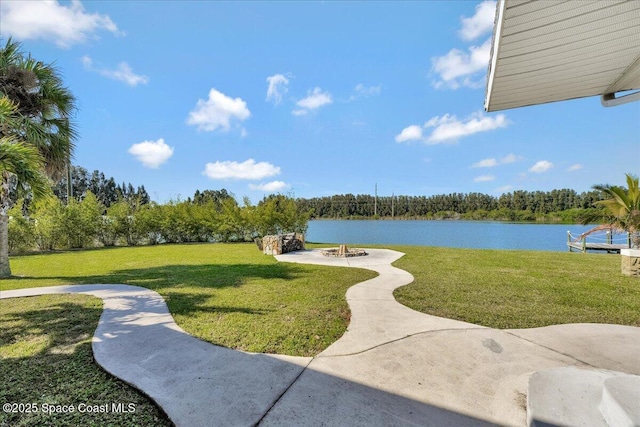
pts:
pixel 230 295
pixel 46 360
pixel 519 289
pixel 227 294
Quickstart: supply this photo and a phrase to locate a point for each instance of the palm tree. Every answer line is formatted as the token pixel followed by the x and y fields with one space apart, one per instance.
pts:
pixel 623 207
pixel 36 132
pixel 24 163
pixel 44 106
pixel 21 163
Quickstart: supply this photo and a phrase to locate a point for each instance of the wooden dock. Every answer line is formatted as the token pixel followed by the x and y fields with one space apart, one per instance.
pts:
pixel 612 248
pixel 604 243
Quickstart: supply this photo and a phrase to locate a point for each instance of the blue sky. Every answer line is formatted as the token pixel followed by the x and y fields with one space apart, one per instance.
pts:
pixel 310 99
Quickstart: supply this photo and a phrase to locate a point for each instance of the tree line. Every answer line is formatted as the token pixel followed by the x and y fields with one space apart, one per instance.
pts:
pixel 555 205
pixel 210 216
pixel 104 189
pixel 103 213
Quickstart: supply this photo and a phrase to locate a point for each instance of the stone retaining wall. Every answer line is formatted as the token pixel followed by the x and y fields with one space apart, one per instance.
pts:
pixel 630 262
pixel 282 243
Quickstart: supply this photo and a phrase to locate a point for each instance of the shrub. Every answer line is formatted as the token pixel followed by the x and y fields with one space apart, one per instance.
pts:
pixel 21 230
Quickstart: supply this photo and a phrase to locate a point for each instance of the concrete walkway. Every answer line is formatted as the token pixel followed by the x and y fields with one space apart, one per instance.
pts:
pixel 393 366
pixel 196 383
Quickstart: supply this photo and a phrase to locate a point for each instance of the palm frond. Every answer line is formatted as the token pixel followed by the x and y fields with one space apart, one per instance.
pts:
pixel 10 53
pixel 44 107
pixel 633 186
pixel 7 116
pixel 623 204
pixel 616 193
pixel 26 163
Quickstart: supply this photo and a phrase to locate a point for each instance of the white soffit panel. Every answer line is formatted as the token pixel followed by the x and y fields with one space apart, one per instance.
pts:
pixel 552 50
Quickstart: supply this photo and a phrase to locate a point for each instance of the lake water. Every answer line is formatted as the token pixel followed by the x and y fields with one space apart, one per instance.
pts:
pixel 456 234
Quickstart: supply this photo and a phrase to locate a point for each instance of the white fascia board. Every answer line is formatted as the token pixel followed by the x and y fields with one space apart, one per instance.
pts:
pixel 495 51
pixel 630 76
pixel 610 99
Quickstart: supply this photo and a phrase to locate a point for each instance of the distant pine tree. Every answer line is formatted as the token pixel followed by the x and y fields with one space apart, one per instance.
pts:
pixel 105 189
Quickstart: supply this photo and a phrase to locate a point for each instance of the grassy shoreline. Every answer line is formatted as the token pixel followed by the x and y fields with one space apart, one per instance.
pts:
pixel 511 289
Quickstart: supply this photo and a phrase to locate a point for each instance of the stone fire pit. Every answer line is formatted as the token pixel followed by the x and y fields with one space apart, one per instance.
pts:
pixel 343 251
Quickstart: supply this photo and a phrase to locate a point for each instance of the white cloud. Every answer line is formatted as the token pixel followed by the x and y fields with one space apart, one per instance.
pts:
pixel 484 178
pixel 541 166
pixel 314 100
pixel 510 158
pixel 270 187
pixel 277 87
pixel 362 91
pixel 49 20
pixel 410 133
pixel 480 23
pixel 459 68
pixel 575 167
pixel 492 162
pixel 151 153
pixel 122 73
pixel 448 128
pixel 217 112
pixel 248 169
pixel 486 163
pixel 87 62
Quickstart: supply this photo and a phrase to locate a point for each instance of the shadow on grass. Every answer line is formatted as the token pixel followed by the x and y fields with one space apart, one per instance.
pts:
pixel 176 276
pixel 190 303
pixel 46 252
pixel 47 359
pixel 180 284
pixel 46 321
pixel 211 385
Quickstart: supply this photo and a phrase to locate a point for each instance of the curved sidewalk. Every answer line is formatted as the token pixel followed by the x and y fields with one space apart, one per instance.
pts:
pixel 396 366
pixel 196 383
pixel 376 317
pixel 393 366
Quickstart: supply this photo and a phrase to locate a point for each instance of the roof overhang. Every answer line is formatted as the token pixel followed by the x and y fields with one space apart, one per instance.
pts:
pixel 550 50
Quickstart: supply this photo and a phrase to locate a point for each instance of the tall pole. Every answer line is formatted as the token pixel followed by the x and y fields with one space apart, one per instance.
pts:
pixel 69 184
pixel 375 202
pixel 392 206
